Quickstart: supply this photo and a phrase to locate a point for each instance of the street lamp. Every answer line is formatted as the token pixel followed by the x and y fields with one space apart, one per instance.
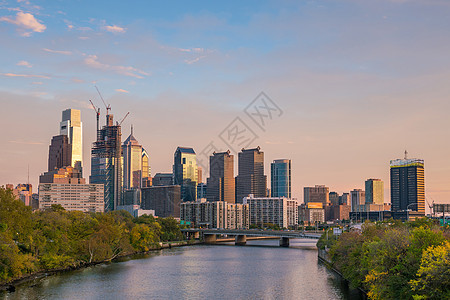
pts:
pixel 407 210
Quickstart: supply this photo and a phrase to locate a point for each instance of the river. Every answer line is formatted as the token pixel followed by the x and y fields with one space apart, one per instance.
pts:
pixel 260 270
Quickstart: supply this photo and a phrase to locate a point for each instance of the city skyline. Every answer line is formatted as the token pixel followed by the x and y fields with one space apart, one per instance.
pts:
pixel 336 83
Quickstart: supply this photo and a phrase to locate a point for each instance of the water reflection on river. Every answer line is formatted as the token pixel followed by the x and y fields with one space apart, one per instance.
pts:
pixel 260 270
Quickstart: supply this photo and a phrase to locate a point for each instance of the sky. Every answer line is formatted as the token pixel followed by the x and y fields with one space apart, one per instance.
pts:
pixel 347 85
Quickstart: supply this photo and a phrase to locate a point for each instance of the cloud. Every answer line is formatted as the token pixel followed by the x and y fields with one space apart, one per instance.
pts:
pixel 24 63
pixel 114 29
pixel 25 75
pixel 58 51
pixel 92 61
pixel 193 61
pixel 77 80
pixel 25 21
pixel 37 82
pixel 122 91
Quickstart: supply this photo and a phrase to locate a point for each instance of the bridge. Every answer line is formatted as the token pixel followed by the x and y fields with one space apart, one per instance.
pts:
pixel 210 235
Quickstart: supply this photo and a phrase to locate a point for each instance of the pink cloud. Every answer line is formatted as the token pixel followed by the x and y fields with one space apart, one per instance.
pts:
pixel 25 21
pixel 92 61
pixel 114 29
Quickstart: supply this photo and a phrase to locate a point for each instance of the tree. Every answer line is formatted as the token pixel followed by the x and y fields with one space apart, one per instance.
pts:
pixel 433 276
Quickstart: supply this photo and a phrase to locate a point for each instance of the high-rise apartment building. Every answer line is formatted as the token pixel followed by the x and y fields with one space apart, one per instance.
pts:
pixel 251 178
pixel 281 178
pixel 318 193
pixel 185 173
pixel 374 191
pixel 265 210
pixel 72 127
pixel 106 163
pixel 132 163
pixel 221 183
pixel 408 185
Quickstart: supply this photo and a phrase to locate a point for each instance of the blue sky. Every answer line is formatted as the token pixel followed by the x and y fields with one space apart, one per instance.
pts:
pixel 358 81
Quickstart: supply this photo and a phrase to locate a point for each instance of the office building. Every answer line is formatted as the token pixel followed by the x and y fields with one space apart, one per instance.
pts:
pixel 374 191
pixel 281 178
pixel 345 199
pixel 202 190
pixel 292 212
pixel 221 183
pixel 79 197
pixel 72 127
pixel 146 171
pixel 106 163
pixel 318 193
pixel 185 173
pixel 132 163
pixel 59 153
pixel 164 200
pixel 251 178
pixel 312 213
pixel 23 192
pixel 265 210
pixel 408 185
pixel 358 197
pixel 162 179
pixel 199 175
pixel 334 198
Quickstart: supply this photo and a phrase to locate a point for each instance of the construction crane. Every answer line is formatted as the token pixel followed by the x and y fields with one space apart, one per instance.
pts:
pixel 120 123
pixel 97 111
pixel 108 107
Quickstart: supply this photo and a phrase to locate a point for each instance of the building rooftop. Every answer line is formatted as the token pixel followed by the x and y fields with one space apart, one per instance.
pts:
pixel 186 150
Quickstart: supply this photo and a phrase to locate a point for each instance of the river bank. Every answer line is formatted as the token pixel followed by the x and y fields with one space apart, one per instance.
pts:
pixel 11 286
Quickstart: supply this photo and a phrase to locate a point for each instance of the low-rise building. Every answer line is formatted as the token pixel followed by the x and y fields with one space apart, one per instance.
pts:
pixel 312 213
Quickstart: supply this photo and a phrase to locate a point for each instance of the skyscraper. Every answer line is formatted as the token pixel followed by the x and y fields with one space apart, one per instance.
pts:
pixel 132 163
pixel 71 126
pixel 221 183
pixel 185 173
pixel 251 178
pixel 358 199
pixel 146 173
pixel 106 163
pixel 281 178
pixel 59 153
pixel 408 185
pixel 374 191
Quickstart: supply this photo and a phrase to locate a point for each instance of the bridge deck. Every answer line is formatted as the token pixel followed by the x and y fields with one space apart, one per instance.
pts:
pixel 256 232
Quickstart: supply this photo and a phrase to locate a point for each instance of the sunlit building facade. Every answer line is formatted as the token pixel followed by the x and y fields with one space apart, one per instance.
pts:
pixel 281 178
pixel 221 183
pixel 185 172
pixel 72 127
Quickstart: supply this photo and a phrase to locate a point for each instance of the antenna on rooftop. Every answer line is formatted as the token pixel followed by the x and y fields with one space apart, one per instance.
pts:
pixel 406 154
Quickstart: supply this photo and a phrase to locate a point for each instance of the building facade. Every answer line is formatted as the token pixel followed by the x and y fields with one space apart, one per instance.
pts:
pixel 185 172
pixel 221 183
pixel 72 127
pixel 251 178
pixel 164 200
pixel 280 174
pixel 408 185
pixel 106 163
pixel 79 197
pixel 59 153
pixel 312 213
pixel 132 163
pixel 374 191
pixel 162 179
pixel 265 210
pixel 318 193
pixel 358 197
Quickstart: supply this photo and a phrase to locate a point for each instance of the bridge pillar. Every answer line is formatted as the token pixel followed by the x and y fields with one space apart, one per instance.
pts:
pixel 196 235
pixel 240 240
pixel 210 238
pixel 284 242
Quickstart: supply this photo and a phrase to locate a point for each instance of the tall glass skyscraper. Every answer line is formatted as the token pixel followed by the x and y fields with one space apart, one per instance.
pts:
pixel 408 185
pixel 185 172
pixel 221 183
pixel 132 163
pixel 72 126
pixel 281 178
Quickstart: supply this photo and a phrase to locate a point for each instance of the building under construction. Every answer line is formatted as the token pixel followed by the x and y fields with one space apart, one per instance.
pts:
pixel 106 162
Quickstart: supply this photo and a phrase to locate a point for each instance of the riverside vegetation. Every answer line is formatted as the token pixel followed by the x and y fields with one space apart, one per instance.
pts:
pixel 394 260
pixel 54 239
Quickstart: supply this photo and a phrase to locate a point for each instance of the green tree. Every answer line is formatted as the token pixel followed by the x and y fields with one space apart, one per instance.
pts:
pixel 433 276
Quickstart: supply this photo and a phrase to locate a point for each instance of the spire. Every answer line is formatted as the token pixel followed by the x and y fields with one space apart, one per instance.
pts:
pixel 406 154
pixel 131 129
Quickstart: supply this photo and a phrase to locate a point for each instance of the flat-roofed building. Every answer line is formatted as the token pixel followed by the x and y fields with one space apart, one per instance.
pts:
pixel 164 200
pixel 266 210
pixel 79 197
pixel 312 213
pixel 318 193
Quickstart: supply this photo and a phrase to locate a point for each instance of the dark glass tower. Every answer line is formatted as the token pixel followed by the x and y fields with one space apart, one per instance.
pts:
pixel 106 163
pixel 185 173
pixel 408 185
pixel 59 153
pixel 280 178
pixel 221 184
pixel 251 178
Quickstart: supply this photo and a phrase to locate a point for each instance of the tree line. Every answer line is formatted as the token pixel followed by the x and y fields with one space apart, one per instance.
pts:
pixel 394 260
pixel 52 239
